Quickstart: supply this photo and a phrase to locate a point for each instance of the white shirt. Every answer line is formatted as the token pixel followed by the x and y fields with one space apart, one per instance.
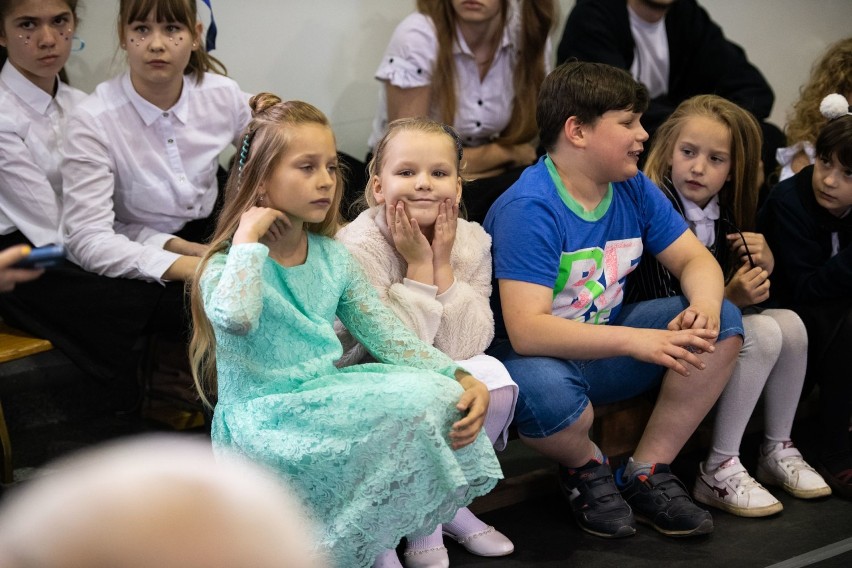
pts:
pixel 784 157
pixel 702 220
pixel 651 57
pixel 134 174
pixel 31 126
pixel 483 107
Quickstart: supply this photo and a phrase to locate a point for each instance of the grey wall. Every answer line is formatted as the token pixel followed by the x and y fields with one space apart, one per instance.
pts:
pixel 325 51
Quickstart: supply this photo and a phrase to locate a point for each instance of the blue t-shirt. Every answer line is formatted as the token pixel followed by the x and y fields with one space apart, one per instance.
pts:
pixel 541 235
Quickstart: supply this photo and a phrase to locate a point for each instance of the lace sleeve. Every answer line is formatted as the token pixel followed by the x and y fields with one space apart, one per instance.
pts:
pixel 232 288
pixel 380 331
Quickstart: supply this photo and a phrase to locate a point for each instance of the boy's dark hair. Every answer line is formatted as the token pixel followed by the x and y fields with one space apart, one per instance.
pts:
pixel 835 139
pixel 587 91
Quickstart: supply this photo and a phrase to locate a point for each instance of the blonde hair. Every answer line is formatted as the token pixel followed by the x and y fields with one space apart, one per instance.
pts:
pixel 739 194
pixel 104 507
pixel 417 124
pixel 181 11
pixel 265 141
pixel 831 73
pixel 537 18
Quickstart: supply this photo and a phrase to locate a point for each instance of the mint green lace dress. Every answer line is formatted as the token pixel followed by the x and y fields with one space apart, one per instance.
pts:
pixel 366 447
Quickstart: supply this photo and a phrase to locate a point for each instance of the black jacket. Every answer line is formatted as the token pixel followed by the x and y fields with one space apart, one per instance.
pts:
pixel 702 60
pixel 799 232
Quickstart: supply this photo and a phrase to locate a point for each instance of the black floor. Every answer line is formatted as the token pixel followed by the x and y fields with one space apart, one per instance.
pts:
pixel 46 425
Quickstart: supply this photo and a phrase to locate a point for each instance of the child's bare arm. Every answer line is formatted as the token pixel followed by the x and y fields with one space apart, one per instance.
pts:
pixel 700 279
pixel 534 330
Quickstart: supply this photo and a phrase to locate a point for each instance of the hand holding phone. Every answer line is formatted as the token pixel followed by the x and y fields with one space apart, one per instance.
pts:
pixel 49 256
pixel 10 274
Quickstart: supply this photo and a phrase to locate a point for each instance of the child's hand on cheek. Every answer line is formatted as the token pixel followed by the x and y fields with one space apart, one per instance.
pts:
pixel 261 224
pixel 407 238
pixel 445 232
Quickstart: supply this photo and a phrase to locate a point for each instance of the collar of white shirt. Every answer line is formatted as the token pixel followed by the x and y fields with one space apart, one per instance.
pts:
pixel 702 219
pixel 25 90
pixel 148 112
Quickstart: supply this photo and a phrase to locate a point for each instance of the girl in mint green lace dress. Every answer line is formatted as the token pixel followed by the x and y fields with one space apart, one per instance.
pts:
pixel 377 451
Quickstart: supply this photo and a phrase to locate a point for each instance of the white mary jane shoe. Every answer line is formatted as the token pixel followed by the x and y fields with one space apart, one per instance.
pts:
pixel 489 542
pixel 429 558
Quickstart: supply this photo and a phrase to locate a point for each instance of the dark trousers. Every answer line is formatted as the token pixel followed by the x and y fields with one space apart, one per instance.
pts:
pixel 829 340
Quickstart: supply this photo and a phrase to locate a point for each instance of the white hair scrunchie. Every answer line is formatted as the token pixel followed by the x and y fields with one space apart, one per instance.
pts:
pixel 834 106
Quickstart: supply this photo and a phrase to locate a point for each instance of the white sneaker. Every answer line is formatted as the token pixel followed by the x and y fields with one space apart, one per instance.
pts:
pixel 785 468
pixel 732 489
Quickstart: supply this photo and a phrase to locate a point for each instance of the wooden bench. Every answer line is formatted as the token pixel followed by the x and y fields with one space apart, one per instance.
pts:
pixel 26 362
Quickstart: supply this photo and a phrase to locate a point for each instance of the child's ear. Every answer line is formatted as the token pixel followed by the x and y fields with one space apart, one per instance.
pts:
pixel 376 186
pixel 458 190
pixel 573 131
pixel 199 27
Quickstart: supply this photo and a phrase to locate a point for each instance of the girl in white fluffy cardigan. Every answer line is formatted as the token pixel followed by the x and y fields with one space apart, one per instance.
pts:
pixel 434 270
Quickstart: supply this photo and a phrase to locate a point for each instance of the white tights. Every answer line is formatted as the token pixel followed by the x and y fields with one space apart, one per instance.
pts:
pixel 772 361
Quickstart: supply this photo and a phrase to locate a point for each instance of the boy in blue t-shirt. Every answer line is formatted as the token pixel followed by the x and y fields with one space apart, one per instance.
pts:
pixel 565 236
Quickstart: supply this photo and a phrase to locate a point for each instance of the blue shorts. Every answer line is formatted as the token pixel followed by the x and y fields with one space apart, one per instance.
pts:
pixel 554 392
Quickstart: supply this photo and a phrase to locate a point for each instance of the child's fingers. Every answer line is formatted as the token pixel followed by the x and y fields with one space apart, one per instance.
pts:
pixel 452 210
pixel 675 324
pixel 676 366
pixel 680 357
pixel 465 431
pixel 688 319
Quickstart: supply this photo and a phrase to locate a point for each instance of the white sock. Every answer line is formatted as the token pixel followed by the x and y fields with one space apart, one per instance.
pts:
pixel 434 540
pixel 715 460
pixel 768 446
pixel 465 523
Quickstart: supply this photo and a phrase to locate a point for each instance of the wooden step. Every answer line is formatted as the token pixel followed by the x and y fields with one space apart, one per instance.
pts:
pixel 16 344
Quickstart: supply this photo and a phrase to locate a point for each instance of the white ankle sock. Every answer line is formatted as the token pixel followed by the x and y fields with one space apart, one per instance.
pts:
pixel 715 460
pixel 387 559
pixel 434 540
pixel 768 446
pixel 465 523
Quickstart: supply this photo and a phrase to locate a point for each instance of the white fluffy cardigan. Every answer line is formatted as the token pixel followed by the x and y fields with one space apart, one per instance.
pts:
pixel 458 322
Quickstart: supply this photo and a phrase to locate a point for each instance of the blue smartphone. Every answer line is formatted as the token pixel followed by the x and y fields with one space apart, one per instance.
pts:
pixel 49 256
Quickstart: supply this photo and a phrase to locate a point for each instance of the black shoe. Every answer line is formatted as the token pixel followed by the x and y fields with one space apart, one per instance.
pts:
pixel 662 501
pixel 595 501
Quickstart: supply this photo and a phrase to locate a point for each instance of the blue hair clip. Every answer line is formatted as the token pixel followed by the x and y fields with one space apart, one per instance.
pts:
pixel 244 151
pixel 210 40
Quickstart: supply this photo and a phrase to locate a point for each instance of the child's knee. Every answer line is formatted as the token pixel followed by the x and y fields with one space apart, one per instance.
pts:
pixel 763 337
